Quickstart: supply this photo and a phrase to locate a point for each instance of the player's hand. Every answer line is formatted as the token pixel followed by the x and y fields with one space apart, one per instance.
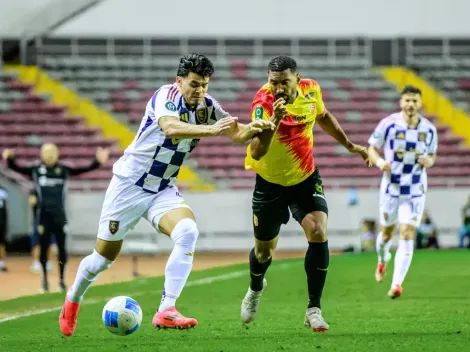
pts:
pixel 425 161
pixel 384 165
pixel 362 151
pixel 33 200
pixel 258 126
pixel 279 109
pixel 8 154
pixel 102 155
pixel 223 126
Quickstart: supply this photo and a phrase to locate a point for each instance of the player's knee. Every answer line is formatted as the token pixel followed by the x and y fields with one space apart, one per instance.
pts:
pixel 407 232
pixel 316 232
pixel 264 254
pixel 185 234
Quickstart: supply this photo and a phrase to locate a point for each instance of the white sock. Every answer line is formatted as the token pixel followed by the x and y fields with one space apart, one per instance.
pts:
pixel 379 243
pixel 402 261
pixel 383 249
pixel 387 254
pixel 180 262
pixel 89 269
pixel 2 264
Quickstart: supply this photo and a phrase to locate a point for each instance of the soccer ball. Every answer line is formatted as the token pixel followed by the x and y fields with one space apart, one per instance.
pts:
pixel 122 315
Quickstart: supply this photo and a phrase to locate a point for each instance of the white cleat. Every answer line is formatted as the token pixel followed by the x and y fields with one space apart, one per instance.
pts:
pixel 250 304
pixel 314 320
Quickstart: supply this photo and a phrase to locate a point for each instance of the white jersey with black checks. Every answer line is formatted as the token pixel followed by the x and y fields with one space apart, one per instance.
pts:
pixel 402 147
pixel 153 161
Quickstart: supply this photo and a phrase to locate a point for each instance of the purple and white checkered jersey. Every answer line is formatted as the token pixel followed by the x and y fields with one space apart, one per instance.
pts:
pixel 153 161
pixel 402 147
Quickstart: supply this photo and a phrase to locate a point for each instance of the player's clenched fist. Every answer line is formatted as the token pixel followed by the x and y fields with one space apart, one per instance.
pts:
pixel 223 125
pixel 279 108
pixel 8 154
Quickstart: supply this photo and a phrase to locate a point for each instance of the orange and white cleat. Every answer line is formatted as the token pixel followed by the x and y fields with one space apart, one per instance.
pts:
pixel 170 318
pixel 380 272
pixel 68 317
pixel 395 292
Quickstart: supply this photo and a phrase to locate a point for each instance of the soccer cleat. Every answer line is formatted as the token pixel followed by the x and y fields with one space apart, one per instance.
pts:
pixel 395 292
pixel 170 318
pixel 250 304
pixel 314 320
pixel 68 317
pixel 380 272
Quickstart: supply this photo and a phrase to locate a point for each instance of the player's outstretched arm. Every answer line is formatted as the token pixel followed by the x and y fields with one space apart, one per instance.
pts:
pixel 262 141
pixel 102 155
pixel 377 160
pixel 242 133
pixel 173 128
pixel 330 125
pixel 9 156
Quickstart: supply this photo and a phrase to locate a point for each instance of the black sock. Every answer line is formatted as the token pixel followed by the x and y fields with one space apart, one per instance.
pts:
pixel 317 260
pixel 257 271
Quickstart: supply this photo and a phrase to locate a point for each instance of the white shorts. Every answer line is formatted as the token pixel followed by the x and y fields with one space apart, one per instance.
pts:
pixel 125 203
pixel 404 211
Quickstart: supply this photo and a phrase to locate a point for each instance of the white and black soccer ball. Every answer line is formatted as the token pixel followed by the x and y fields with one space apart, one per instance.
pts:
pixel 122 315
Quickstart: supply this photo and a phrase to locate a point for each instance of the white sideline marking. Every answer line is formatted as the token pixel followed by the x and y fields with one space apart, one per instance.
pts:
pixel 206 281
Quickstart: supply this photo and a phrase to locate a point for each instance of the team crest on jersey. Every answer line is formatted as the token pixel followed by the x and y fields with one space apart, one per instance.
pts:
pixel 422 136
pixel 113 226
pixel 312 108
pixel 57 170
pixel 201 115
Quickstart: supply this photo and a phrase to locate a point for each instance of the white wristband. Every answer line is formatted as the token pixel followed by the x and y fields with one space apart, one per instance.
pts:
pixel 380 163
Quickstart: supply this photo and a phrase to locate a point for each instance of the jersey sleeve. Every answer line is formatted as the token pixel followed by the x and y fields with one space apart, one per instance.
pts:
pixel 433 141
pixel 321 108
pixel 163 104
pixel 261 108
pixel 377 139
pixel 219 112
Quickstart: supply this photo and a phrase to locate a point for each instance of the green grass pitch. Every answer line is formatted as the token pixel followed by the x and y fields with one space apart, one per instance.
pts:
pixel 432 315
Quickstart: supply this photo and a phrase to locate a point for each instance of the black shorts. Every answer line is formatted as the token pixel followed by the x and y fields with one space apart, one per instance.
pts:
pixel 3 231
pixel 271 204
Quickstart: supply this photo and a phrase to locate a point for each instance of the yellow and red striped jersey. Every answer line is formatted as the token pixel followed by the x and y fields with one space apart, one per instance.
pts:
pixel 289 159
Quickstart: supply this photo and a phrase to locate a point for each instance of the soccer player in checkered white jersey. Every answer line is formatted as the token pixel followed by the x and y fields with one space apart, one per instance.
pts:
pixel 409 143
pixel 143 186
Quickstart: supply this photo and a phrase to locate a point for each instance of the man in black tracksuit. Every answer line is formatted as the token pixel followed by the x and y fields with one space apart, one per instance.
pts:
pixel 50 180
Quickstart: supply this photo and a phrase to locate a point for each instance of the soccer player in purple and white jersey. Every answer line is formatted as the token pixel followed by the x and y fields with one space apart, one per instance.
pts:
pixel 409 143
pixel 144 186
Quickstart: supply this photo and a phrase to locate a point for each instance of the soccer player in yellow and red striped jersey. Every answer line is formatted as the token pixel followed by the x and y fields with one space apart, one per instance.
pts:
pixel 286 178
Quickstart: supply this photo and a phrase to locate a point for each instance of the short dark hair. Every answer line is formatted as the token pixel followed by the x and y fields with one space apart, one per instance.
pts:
pixel 195 63
pixel 282 63
pixel 409 89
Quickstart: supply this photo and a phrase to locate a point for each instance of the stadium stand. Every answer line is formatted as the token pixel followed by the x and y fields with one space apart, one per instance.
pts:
pixel 30 120
pixel 122 84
